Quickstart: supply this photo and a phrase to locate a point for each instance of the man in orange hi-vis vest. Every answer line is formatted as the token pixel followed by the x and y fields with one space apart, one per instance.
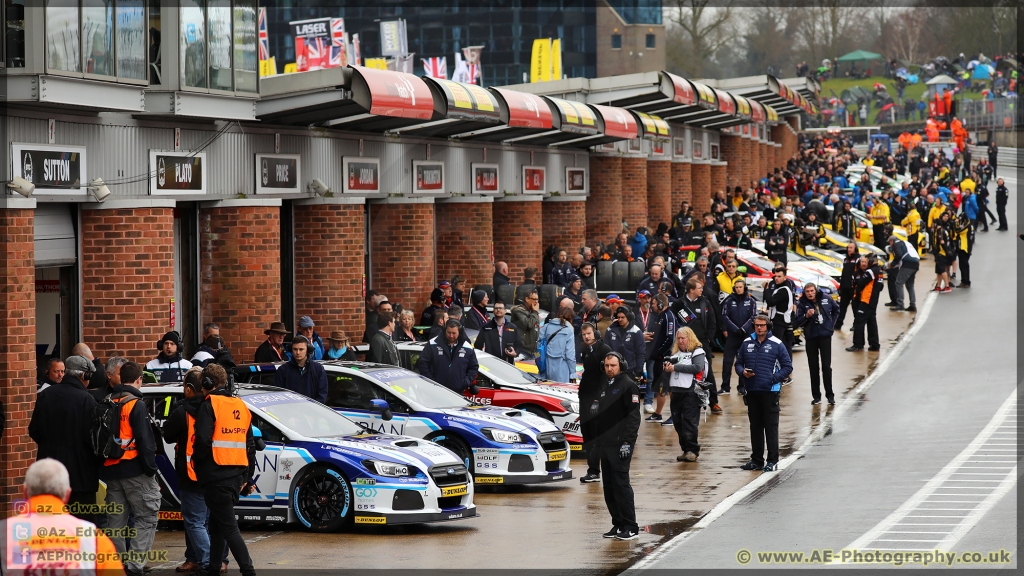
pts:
pixel 224 457
pixel 43 538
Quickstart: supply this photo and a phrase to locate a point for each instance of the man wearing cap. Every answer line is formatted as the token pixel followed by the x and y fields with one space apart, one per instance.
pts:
pixel 446 292
pixel 272 349
pixel 476 318
pixel 574 290
pixel 169 366
pixel 339 347
pixel 436 303
pixel 60 428
pixel 306 329
pixel 301 374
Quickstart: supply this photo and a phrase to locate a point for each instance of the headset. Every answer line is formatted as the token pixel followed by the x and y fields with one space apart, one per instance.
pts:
pixel 622 361
pixel 760 316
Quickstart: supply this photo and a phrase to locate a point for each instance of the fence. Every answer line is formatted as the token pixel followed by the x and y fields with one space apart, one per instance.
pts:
pixel 998 114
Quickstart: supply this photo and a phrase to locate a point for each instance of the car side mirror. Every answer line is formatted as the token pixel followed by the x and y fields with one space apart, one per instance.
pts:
pixel 741 269
pixel 382 407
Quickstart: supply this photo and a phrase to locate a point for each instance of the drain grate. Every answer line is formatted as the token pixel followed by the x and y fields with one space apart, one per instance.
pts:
pixel 767 487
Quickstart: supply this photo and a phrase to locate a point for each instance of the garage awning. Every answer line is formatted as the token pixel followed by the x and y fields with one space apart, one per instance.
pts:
pixel 737 114
pixel 522 114
pixel 758 113
pixel 654 128
pixel 54 236
pixel 389 100
pixel 615 124
pixel 572 123
pixel 458 108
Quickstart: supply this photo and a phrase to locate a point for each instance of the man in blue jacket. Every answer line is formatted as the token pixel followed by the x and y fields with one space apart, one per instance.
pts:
pixel 301 374
pixel 449 360
pixel 762 364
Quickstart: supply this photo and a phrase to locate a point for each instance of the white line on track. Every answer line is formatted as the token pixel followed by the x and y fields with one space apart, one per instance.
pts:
pixel 819 431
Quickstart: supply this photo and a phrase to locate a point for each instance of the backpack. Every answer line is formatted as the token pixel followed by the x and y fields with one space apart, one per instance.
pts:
pixel 105 429
pixel 542 349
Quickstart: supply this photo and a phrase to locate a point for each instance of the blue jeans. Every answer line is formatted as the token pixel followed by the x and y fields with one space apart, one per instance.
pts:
pixel 197 533
pixel 649 393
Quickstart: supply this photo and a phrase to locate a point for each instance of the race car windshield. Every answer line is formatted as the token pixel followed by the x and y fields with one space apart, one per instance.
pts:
pixel 304 417
pixel 425 392
pixel 504 371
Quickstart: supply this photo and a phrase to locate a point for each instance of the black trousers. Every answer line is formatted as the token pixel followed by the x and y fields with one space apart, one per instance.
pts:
pixel 763 413
pixel 82 505
pixel 844 303
pixel 710 377
pixel 820 348
pixel 783 332
pixel 1001 210
pixel 685 406
pixel 881 240
pixel 965 266
pixel 985 215
pixel 732 346
pixel 864 317
pixel 593 457
pixel 618 493
pixel 890 284
pixel 914 239
pixel 221 501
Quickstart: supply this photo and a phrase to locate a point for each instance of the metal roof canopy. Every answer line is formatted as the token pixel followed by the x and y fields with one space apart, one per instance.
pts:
pixel 458 108
pixel 765 89
pixel 573 123
pixel 522 114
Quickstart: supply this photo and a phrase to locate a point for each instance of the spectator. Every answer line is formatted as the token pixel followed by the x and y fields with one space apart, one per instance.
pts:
pixel 53 375
pixel 436 303
pixel 455 313
pixel 525 316
pixel 560 347
pixel 694 310
pixel 60 427
pixel 586 274
pixel 604 319
pixel 380 304
pixel 446 293
pixel 738 312
pixel 458 291
pixel 548 263
pixel 132 489
pixel 528 275
pixel 301 374
pixel 626 339
pixel 499 337
pixel 500 277
pixel 206 352
pixel 560 271
pixel 306 326
pixel 113 374
pixel 404 332
pixel 99 376
pixel 1002 196
pixel 647 323
pixel 476 318
pixel 449 360
pixel 382 348
pixel 340 347
pixel 816 313
pixel 590 305
pixel 762 364
pixel 169 366
pixel 272 349
pixel 437 325
pixel 574 290
pixel 664 334
pixel 370 314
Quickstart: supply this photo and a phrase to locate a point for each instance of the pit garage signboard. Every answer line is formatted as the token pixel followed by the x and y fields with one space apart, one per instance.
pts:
pixel 278 174
pixel 57 170
pixel 177 173
pixel 362 175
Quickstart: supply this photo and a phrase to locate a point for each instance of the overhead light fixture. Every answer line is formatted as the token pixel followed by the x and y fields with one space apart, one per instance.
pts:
pixel 319 188
pixel 98 189
pixel 22 186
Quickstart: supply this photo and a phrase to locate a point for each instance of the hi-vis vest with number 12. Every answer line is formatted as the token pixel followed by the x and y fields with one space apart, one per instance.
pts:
pixel 229 430
pixel 125 435
pixel 51 544
pixel 682 379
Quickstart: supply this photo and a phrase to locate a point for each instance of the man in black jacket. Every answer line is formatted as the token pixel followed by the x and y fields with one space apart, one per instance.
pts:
pixel 53 375
pixel 500 277
pixel 846 282
pixel 616 423
pixel 219 470
pixel 1002 195
pixel 60 428
pixel 695 311
pixel 780 296
pixel 302 374
pixel 99 377
pixel 132 488
pixel 382 348
pixel 593 353
pixel 449 360
pixel 499 337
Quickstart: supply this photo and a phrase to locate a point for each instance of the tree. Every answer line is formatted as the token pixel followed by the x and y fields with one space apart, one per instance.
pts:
pixel 766 42
pixel 825 25
pixel 705 30
pixel 905 35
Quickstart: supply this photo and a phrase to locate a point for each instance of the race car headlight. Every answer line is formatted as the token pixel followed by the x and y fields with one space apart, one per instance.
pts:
pixel 392 469
pixel 571 406
pixel 502 436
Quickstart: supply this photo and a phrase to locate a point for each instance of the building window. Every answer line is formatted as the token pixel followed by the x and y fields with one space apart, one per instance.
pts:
pixel 82 36
pixel 650 41
pixel 14 34
pixel 616 41
pixel 63 38
pixel 217 44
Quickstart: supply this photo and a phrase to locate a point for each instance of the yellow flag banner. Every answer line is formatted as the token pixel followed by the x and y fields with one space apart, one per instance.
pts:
pixel 378 63
pixel 540 61
pixel 556 59
pixel 291 68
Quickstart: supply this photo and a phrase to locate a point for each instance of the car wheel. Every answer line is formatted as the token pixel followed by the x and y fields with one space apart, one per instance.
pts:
pixel 322 499
pixel 536 411
pixel 456 444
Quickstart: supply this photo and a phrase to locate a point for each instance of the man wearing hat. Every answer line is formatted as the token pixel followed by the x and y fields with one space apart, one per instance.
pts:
pixel 272 349
pixel 446 291
pixel 476 318
pixel 169 366
pixel 340 349
pixel 306 329
pixel 60 428
pixel 436 303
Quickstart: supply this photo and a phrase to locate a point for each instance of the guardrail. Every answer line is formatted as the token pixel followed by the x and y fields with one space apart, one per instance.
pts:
pixel 1006 156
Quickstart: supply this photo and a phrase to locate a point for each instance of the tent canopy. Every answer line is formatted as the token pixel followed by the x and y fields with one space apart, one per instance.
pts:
pixel 940 79
pixel 859 55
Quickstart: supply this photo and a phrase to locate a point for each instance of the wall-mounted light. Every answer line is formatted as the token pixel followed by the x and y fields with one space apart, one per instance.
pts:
pixel 22 186
pixel 319 188
pixel 98 189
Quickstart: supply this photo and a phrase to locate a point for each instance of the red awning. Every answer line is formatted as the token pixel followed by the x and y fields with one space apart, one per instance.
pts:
pixel 654 127
pixel 757 112
pixel 392 94
pixel 618 122
pixel 684 91
pixel 525 110
pixel 575 116
pixel 726 105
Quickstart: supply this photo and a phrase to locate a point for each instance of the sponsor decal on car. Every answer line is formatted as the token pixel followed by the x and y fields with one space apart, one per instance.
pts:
pixel 369 481
pixel 275 518
pixel 371 520
pixel 460 490
pixel 169 515
pixel 489 480
pixel 576 447
pixel 559 455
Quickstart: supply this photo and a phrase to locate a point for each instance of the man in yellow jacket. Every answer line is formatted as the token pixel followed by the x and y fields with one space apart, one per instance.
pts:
pixel 935 211
pixel 879 218
pixel 726 279
pixel 913 225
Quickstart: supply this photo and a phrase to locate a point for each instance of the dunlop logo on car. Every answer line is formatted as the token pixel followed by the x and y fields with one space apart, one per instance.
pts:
pixel 489 480
pixel 460 490
pixel 575 447
pixel 560 455
pixel 371 520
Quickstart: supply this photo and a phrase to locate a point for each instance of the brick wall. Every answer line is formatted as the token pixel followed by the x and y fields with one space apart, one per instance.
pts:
pixel 565 225
pixel 240 255
pixel 780 160
pixel 784 135
pixel 17 349
pixel 634 192
pixel 127 280
pixel 604 207
pixel 732 148
pixel 518 236
pixel 329 262
pixel 464 242
pixel 700 177
pixel 718 178
pixel 659 193
pixel 764 163
pixel 682 187
pixel 402 253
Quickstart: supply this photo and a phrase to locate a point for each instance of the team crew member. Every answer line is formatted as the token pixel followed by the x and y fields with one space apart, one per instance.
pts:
pixel 963 233
pixel 626 339
pixel 850 263
pixel 905 255
pixel 224 455
pixel 449 360
pixel 499 337
pixel 944 249
pixel 695 311
pixel 738 312
pixel 913 224
pixel 132 488
pixel 301 374
pixel 527 319
pixel 780 298
pixel 762 364
pixel 616 423
pixel 169 366
pixel 726 279
pixel 593 354
pixel 816 313
pixel 47 489
pixel 664 338
pixel 867 286
pixel 879 218
pixel 687 365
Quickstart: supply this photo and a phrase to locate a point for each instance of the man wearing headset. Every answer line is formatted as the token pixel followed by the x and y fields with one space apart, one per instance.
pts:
pixel 616 422
pixel 762 364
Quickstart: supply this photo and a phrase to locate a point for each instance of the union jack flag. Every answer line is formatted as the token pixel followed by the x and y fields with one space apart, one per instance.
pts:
pixel 337 30
pixel 337 55
pixel 474 73
pixel 315 52
pixel 436 67
pixel 264 38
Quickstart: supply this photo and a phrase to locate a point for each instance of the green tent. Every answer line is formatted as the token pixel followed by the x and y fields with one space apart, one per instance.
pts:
pixel 858 55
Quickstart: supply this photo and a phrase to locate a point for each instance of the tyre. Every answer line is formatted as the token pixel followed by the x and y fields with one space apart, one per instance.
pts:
pixel 604 275
pixel 536 411
pixel 456 444
pixel 548 294
pixel 637 271
pixel 322 499
pixel 505 294
pixel 620 278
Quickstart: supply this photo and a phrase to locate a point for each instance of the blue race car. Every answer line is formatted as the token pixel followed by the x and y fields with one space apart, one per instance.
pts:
pixel 325 471
pixel 498 445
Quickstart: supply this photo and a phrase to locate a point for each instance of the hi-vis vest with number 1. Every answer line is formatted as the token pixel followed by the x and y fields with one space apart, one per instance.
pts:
pixel 682 379
pixel 125 436
pixel 51 544
pixel 190 442
pixel 229 430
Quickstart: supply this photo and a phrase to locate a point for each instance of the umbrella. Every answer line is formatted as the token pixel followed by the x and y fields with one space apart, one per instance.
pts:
pixel 972 64
pixel 912 78
pixel 886 107
pixel 901 71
